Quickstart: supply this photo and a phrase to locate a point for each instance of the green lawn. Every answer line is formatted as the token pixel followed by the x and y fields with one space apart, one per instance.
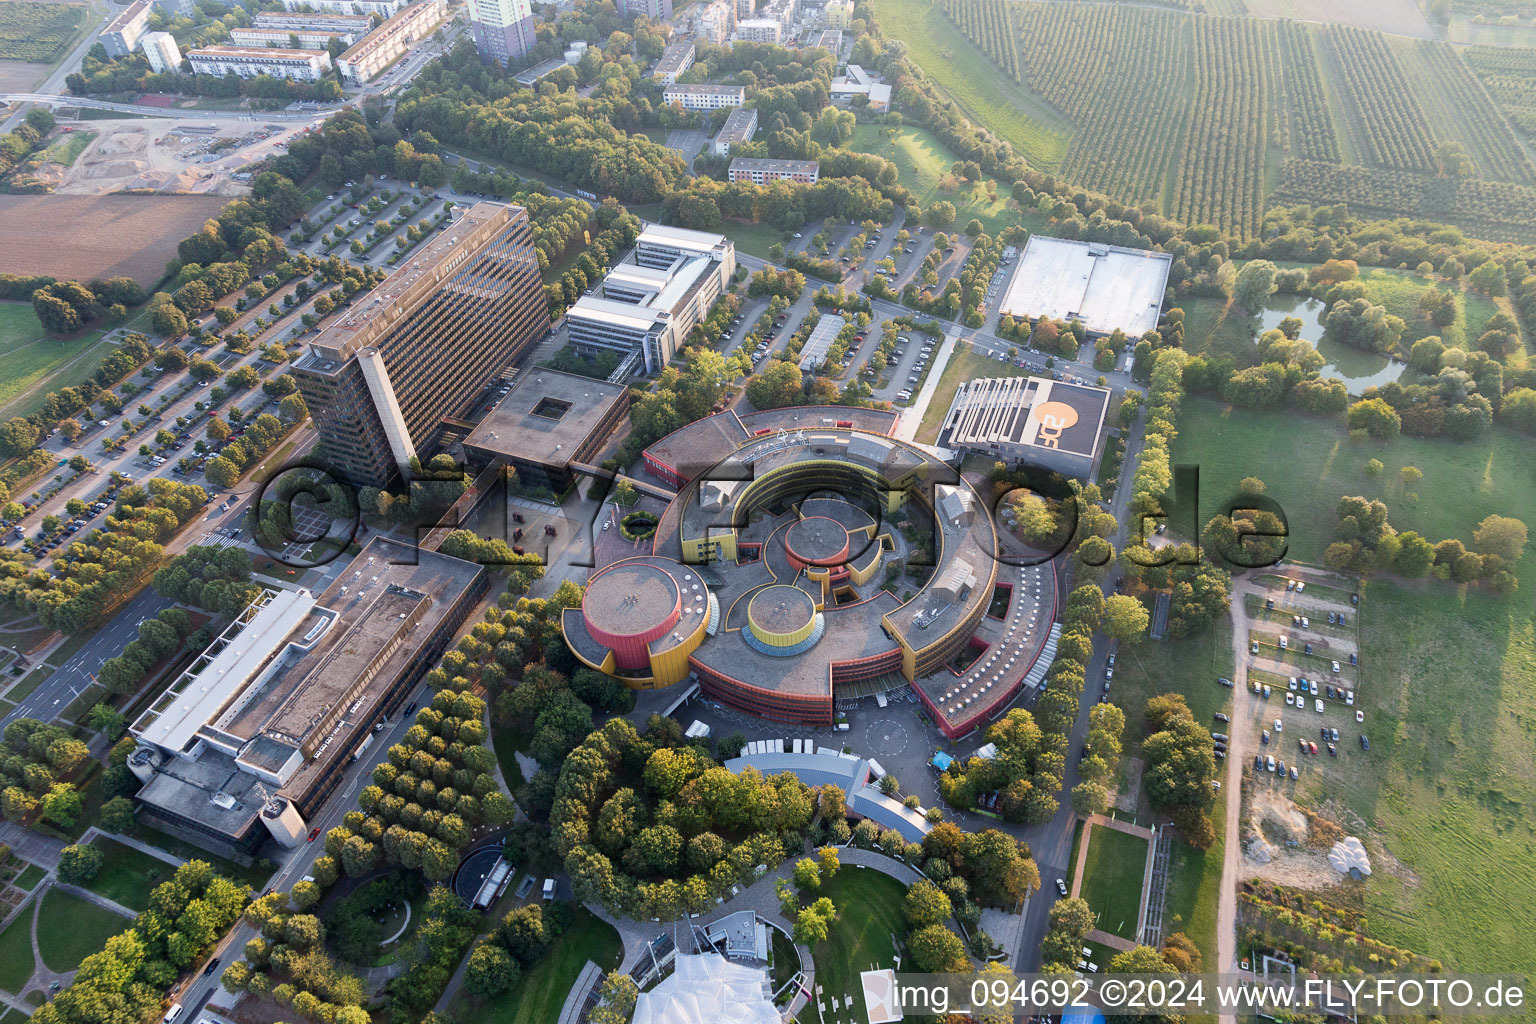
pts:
pixel 753 239
pixel 127 875
pixel 1214 328
pixel 964 72
pixel 29 878
pixel 70 929
pixel 36 363
pixel 68 148
pixel 13 1016
pixel 922 161
pixel 16 963
pixel 964 364
pixel 1447 677
pixel 507 741
pixel 868 916
pixel 1112 875
pixel 1399 291
pixel 1194 885
pixel 542 990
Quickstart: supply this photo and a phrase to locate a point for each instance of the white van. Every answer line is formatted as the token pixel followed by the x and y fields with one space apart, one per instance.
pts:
pixel 549 894
pixel 172 1014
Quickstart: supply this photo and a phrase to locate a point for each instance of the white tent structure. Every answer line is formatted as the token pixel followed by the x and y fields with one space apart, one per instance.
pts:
pixel 707 989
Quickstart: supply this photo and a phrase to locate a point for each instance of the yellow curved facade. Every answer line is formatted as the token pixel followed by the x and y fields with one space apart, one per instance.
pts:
pixel 780 639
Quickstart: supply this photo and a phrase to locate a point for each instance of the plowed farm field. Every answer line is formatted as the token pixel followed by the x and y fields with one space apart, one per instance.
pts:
pixel 86 237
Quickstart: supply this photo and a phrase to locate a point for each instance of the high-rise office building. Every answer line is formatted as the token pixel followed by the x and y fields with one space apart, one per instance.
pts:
pixel 380 380
pixel 656 10
pixel 503 29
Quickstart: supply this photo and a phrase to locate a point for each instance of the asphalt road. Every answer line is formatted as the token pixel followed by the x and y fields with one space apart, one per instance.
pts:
pixel 67 683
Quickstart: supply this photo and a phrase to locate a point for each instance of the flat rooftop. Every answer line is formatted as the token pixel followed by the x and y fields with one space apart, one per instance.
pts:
pixel 333 344
pixel 707 90
pixel 546 416
pixel 132 11
pixel 670 237
pixel 256 52
pixel 1105 286
pixel 1033 411
pixel 675 59
pixel 753 163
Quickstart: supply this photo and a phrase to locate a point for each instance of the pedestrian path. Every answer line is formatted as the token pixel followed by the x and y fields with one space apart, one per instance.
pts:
pixel 590 975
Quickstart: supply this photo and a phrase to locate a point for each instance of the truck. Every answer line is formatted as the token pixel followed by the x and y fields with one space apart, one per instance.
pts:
pixel 367 742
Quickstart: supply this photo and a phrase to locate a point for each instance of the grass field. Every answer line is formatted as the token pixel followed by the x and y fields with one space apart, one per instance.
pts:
pixel 1112 876
pixel 541 991
pixel 67 149
pixel 753 239
pixel 13 1016
pixel 255 876
pixel 16 963
pixel 71 929
pixel 946 56
pixel 922 161
pixel 1399 292
pixel 127 875
pixel 36 363
pixel 964 364
pixel 868 915
pixel 1448 678
pixel 29 878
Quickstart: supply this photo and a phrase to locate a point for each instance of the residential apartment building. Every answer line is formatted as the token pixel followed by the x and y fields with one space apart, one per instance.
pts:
pixel 503 29
pixel 705 97
pixel 715 22
pixel 740 125
pixel 351 27
pixel 760 172
pixel 675 60
pixel 251 61
pixel 831 40
pixel 382 377
pixel 650 302
pixel 390 41
pixel 382 8
pixel 656 10
pixel 307 39
pixel 121 36
pixel 839 13
pixel 745 8
pixel 161 51
pixel 760 30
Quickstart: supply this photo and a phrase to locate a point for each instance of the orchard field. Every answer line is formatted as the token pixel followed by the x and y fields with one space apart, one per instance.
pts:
pixel 1249 112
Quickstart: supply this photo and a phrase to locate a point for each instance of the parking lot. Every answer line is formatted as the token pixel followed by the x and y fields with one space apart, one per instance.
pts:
pixel 1301 664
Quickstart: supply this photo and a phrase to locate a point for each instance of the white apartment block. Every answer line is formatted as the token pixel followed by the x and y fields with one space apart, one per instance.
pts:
pixel 675 61
pixel 739 127
pixel 760 30
pixel 251 61
pixel 350 26
pixel 383 8
pixel 715 22
pixel 162 52
pixel 387 43
pixel 121 36
pixel 308 38
pixel 705 97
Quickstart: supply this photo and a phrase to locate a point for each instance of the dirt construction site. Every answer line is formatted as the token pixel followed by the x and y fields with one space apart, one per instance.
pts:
pixel 156 155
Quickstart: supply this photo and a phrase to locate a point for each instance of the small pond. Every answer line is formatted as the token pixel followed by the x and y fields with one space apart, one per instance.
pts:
pixel 1356 368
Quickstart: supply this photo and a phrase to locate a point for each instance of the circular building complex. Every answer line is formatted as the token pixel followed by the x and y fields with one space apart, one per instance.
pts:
pixel 802 560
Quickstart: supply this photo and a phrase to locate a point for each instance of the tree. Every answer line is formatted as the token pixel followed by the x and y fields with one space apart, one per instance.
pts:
pixel 490 970
pixel 813 923
pixel 1090 798
pixel 1125 618
pixel 936 949
pixel 1375 417
pixel 117 815
pixel 1143 960
pixel 79 864
pixel 926 904
pixel 1501 536
pixel 221 472
pixel 807 875
pixel 1255 283
pixel 780 384
pixel 61 805
pixel 106 719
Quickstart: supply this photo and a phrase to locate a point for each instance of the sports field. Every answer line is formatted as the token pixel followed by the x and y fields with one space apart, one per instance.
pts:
pixel 869 918
pixel 1112 875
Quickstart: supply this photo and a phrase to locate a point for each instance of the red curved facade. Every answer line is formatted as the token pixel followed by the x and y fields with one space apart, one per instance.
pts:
pixel 608 598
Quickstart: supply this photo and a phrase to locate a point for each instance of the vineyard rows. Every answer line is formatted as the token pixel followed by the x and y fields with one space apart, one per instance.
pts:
pixel 987 24
pixel 1394 130
pixel 1510 78
pixel 1221 180
pixel 36 31
pixel 1069 51
pixel 1312 132
pixel 1127 129
pixel 1496 210
pixel 1467 113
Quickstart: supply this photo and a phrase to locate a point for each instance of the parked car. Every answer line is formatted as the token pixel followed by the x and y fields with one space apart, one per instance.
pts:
pixel 1365 744
pixel 1318 705
pixel 1224 681
pixel 1221 717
